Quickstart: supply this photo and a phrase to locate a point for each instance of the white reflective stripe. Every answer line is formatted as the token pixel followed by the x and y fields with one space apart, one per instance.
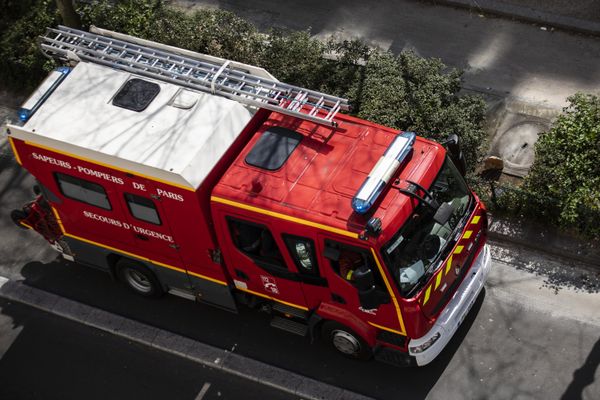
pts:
pixel 383 170
pixel 396 146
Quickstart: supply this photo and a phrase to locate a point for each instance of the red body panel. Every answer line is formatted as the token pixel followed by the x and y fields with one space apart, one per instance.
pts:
pixel 173 243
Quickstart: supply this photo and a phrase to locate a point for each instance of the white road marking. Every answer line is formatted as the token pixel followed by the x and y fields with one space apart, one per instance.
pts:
pixel 203 391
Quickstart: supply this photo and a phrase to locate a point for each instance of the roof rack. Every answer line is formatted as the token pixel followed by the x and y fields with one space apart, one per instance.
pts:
pixel 244 83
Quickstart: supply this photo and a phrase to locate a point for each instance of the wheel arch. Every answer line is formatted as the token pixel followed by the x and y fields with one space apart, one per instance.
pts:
pixel 113 259
pixel 328 312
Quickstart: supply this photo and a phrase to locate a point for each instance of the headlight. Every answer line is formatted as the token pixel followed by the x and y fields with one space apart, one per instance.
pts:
pixel 422 347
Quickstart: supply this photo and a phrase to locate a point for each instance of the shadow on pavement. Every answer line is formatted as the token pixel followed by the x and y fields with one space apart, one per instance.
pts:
pixel 247 333
pixel 584 376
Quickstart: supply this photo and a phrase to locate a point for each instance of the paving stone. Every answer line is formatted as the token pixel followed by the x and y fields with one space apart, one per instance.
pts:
pixel 13 290
pixel 311 389
pixel 104 320
pixel 281 379
pixel 246 367
pixel 172 342
pixel 71 309
pixel 39 298
pixel 206 354
pixel 347 395
pixel 137 331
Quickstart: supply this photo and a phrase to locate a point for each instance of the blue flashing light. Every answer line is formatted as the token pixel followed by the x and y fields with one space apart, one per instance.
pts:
pixel 63 70
pixel 24 114
pixel 382 172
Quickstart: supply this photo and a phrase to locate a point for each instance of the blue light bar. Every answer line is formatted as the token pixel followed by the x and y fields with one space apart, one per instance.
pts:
pixel 381 173
pixel 40 95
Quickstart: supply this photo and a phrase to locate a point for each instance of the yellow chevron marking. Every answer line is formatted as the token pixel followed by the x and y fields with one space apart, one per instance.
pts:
pixel 448 264
pixel 427 293
pixel 438 280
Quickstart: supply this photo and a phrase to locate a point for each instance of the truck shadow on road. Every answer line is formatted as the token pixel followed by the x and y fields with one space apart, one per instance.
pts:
pixel 248 333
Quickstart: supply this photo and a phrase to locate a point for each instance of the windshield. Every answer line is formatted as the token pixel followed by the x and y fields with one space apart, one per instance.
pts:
pixel 422 244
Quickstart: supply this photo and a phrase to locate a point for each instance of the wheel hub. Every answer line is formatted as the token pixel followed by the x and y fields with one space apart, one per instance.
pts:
pixel 345 342
pixel 138 281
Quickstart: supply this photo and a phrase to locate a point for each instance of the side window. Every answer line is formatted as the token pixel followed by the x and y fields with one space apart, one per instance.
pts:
pixel 345 259
pixel 142 208
pixel 256 241
pixel 82 190
pixel 302 251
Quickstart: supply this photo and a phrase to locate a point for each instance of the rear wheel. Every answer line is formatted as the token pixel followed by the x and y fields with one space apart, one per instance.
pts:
pixel 345 341
pixel 138 278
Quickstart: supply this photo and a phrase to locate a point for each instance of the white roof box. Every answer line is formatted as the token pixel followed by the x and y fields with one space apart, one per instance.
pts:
pixel 107 115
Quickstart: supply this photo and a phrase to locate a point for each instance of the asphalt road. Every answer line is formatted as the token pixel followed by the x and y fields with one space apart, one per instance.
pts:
pixel 43 356
pixel 499 56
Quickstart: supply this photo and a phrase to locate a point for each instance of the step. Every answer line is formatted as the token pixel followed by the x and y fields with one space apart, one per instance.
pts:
pixel 288 310
pixel 289 325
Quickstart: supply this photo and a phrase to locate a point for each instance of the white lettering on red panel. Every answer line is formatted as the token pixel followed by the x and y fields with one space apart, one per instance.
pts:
pixel 269 284
pixel 103 175
pixel 125 225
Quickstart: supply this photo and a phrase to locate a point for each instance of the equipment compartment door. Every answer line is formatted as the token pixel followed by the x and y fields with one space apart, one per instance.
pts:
pixel 148 225
pixel 254 256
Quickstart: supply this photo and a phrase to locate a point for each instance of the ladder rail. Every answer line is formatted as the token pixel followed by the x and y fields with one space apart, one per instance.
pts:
pixel 190 72
pixel 267 104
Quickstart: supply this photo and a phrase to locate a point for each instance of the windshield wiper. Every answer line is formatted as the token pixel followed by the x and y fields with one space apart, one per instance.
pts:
pixel 442 213
pixel 412 192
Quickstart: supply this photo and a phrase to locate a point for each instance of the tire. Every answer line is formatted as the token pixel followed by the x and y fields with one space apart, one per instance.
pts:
pixel 139 279
pixel 17 216
pixel 345 341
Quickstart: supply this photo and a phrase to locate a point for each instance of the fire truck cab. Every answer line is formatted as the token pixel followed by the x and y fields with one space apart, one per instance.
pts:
pixel 364 236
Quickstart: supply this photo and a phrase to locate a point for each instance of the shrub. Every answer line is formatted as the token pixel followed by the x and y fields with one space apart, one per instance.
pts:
pixel 416 94
pixel 294 57
pixel 22 65
pixel 215 32
pixel 563 186
pixel 406 92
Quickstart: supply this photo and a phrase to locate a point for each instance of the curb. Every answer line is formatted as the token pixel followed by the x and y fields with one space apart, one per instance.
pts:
pixel 541 239
pixel 525 14
pixel 172 343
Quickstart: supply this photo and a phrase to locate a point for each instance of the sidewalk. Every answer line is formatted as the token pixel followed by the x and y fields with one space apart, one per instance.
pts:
pixel 582 16
pixel 546 239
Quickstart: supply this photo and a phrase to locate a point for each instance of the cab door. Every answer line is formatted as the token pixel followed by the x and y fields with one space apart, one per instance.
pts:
pixel 341 259
pixel 253 251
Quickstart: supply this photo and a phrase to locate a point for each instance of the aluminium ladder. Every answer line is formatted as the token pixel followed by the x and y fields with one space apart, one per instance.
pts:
pixel 191 70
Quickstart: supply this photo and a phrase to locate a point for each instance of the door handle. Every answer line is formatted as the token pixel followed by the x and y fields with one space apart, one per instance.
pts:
pixel 141 237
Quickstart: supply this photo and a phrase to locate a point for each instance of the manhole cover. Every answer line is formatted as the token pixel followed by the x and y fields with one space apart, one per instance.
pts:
pixel 516 146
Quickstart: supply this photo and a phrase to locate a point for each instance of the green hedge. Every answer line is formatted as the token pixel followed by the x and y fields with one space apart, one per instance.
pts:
pixel 563 186
pixel 406 92
pixel 22 65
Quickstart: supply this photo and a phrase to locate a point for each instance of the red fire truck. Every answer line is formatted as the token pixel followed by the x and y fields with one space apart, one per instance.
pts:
pixel 209 179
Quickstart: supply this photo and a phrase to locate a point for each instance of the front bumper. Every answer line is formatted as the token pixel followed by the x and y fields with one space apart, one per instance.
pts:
pixel 455 311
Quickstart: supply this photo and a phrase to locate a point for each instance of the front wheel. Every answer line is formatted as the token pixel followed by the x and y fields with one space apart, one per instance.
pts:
pixel 345 341
pixel 138 279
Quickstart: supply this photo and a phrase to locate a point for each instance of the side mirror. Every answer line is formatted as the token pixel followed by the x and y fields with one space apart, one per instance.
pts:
pixel 455 152
pixel 363 278
pixel 369 295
